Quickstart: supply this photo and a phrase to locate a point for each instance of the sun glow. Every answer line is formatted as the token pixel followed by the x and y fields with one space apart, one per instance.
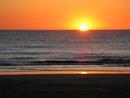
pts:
pixel 83 72
pixel 84 28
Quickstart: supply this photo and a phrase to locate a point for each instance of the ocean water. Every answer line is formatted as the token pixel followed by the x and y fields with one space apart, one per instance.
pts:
pixel 97 47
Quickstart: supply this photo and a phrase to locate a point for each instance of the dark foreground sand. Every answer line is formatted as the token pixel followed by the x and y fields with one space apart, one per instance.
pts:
pixel 65 86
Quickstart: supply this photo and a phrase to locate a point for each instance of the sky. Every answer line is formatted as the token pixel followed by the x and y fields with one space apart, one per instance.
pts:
pixel 64 14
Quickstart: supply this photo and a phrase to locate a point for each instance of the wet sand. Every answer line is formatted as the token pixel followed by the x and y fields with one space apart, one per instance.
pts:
pixel 65 85
pixel 64 72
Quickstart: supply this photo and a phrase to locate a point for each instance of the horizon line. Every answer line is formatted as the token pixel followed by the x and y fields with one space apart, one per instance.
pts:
pixel 60 29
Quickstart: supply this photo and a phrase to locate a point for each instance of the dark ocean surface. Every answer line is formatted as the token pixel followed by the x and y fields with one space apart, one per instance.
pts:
pixel 97 47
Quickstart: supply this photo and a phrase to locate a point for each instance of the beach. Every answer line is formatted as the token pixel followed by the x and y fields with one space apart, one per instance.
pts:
pixel 65 85
pixel 65 64
pixel 65 48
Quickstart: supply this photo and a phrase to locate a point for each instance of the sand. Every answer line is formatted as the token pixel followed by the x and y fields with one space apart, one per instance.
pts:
pixel 65 85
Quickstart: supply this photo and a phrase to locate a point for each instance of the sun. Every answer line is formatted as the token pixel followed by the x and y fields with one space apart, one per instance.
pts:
pixel 84 28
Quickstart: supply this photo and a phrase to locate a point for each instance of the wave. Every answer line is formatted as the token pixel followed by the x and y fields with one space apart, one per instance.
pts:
pixel 110 62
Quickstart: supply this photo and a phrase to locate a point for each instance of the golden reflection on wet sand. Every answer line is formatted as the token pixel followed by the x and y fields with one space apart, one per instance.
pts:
pixel 64 72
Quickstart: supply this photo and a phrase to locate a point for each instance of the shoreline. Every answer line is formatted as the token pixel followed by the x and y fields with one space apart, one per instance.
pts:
pixel 56 69
pixel 65 73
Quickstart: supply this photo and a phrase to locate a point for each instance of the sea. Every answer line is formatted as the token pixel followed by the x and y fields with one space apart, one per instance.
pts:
pixel 34 50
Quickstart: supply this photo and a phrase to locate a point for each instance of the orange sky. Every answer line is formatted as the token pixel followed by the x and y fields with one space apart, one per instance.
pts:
pixel 64 14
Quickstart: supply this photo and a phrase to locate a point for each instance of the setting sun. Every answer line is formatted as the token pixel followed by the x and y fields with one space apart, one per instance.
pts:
pixel 83 28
